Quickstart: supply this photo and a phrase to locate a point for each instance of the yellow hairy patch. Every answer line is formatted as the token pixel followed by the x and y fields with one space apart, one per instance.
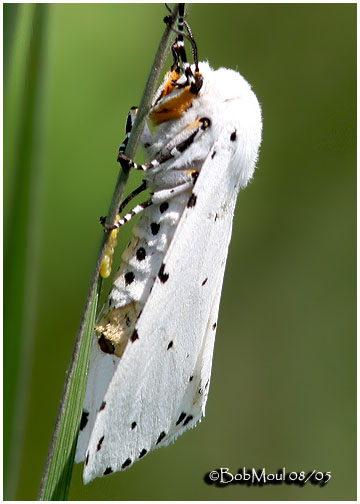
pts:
pixel 105 268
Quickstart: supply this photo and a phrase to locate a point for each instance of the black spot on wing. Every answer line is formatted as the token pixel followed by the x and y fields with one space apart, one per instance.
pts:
pixel 105 345
pixel 133 425
pixel 161 437
pixel 181 418
pixel 87 459
pixel 100 443
pixel 213 154
pixel 188 419
pixel 134 336
pixel 126 463
pixel 154 226
pixel 170 345
pixel 163 276
pixel 140 254
pixel 204 282
pixel 84 419
pixel 233 136
pixel 129 277
pixel 164 206
pixel 191 378
pixel 214 326
pixel 103 404
pixel 108 470
pixel 192 201
pixel 142 453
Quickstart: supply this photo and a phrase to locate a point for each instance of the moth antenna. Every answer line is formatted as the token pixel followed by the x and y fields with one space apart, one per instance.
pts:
pixel 191 39
pixel 194 50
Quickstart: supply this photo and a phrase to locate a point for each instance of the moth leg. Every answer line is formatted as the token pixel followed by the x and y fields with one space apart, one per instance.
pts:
pixel 127 163
pixel 127 200
pixel 129 124
pixel 105 268
pixel 177 150
pixel 132 195
pixel 146 136
pixel 156 198
pixel 135 211
pixel 166 194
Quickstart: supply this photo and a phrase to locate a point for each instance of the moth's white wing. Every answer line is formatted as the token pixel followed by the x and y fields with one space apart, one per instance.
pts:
pixel 160 385
pixel 102 367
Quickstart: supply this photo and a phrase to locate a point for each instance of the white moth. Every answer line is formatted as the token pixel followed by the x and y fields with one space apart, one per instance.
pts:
pixel 152 351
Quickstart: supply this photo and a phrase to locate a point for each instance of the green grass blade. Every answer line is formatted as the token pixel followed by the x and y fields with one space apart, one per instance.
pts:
pixel 57 484
pixel 24 119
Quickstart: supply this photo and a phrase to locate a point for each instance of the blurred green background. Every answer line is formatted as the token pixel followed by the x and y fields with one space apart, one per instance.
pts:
pixel 283 387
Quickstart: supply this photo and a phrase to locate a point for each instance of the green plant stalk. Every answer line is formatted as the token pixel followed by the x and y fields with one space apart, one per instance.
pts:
pixel 60 471
pixel 56 479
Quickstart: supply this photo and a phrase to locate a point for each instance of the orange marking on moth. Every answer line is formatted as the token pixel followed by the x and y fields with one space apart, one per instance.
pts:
pixel 173 108
pixel 170 84
pixel 193 125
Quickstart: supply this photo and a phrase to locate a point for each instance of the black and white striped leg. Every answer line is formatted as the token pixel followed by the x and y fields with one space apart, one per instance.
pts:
pixel 146 136
pixel 178 149
pixel 158 197
pixel 129 197
pixel 132 195
pixel 135 211
pixel 127 163
pixel 129 124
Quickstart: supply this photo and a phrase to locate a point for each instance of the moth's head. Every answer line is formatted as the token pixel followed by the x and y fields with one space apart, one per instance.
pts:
pixel 226 99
